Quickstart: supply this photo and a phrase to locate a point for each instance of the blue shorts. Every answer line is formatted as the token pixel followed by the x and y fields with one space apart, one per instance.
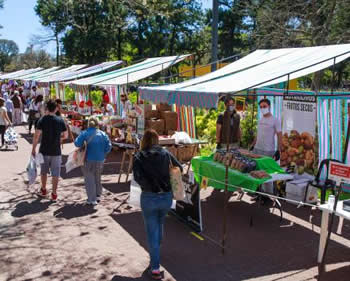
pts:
pixel 51 164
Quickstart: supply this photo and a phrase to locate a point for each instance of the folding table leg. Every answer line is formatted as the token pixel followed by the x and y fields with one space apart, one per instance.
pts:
pixel 130 154
pixel 121 170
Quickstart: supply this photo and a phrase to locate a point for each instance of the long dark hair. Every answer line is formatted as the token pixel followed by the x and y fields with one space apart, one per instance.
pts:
pixel 38 99
pixel 149 139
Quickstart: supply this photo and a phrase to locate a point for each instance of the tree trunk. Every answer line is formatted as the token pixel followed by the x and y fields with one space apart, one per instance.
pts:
pixel 119 44
pixel 57 49
pixel 316 81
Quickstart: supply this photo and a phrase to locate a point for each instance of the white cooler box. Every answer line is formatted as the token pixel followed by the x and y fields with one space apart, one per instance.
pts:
pixel 295 190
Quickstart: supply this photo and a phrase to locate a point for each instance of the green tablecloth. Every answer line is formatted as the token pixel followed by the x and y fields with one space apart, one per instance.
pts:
pixel 205 166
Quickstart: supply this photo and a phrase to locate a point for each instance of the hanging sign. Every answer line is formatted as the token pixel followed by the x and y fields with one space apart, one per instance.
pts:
pixel 339 172
pixel 299 129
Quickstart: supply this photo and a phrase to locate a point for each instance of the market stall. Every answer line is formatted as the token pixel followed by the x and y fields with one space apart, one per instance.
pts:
pixel 259 69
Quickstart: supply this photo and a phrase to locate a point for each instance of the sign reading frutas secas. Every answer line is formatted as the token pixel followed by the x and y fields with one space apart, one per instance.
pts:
pixel 299 127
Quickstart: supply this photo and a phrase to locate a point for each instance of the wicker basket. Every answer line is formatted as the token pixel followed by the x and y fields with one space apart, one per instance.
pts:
pixel 185 152
pixel 172 150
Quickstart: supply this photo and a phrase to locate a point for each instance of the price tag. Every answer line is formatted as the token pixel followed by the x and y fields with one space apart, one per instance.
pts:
pixel 339 172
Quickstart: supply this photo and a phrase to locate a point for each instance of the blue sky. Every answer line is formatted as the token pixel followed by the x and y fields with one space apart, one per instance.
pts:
pixel 20 22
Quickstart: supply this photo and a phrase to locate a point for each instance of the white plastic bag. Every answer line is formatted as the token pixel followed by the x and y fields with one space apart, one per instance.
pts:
pixel 71 163
pixel 135 194
pixel 24 117
pixel 39 159
pixel 181 137
pixel 31 171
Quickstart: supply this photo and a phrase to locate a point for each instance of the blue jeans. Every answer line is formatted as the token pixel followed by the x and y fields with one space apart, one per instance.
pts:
pixel 155 207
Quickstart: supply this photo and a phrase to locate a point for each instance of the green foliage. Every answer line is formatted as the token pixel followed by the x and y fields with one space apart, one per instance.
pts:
pixel 249 126
pixel 133 97
pixel 8 49
pixel 69 94
pixel 96 98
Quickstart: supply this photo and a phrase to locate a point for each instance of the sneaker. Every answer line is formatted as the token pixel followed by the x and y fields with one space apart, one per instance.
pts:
pixel 42 192
pixel 156 275
pixel 98 199
pixel 53 197
pixel 93 203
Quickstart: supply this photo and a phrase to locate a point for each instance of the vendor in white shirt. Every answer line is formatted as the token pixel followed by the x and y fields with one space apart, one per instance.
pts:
pixel 268 128
pixel 108 108
pixel 125 105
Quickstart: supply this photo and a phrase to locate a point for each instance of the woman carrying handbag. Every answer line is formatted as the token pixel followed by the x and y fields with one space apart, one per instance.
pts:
pixel 98 146
pixel 151 171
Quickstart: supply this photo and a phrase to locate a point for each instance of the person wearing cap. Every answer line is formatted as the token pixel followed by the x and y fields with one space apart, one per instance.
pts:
pixel 98 146
pixel 234 126
pixel 17 113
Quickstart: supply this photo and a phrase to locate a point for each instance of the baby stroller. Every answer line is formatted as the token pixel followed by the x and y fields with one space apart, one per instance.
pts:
pixel 11 139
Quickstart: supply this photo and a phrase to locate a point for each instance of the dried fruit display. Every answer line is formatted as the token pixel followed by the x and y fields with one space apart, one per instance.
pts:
pixel 235 160
pixel 261 174
pixel 298 151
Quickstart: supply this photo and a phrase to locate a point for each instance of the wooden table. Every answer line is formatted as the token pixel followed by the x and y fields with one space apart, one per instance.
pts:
pixel 128 152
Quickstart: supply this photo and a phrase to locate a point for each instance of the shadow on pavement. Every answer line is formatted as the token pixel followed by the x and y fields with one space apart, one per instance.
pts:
pixel 29 208
pixel 115 187
pixel 70 211
pixel 269 247
pixel 27 137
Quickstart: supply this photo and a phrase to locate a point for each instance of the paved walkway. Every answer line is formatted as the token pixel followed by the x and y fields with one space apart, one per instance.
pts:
pixel 67 240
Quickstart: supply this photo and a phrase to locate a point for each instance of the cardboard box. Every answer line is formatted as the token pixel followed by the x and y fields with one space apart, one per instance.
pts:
pixel 168 115
pixel 157 125
pixel 152 114
pixel 163 107
pixel 170 120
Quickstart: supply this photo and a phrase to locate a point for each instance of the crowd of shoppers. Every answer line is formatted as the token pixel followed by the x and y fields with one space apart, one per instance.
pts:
pixel 151 163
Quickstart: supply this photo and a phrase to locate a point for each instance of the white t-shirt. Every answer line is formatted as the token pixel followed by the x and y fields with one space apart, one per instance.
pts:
pixel 109 110
pixel 268 127
pixel 125 108
pixel 3 122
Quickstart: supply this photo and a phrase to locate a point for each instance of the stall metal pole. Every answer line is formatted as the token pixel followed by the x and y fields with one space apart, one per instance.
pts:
pixel 227 128
pixel 333 76
pixel 346 141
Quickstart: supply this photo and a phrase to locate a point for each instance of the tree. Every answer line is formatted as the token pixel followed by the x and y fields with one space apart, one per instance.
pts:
pixel 8 49
pixel 53 15
pixel 35 58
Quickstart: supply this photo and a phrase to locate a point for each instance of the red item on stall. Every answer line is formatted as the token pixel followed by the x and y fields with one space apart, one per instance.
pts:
pixel 106 98
pixel 74 103
pixel 82 104
pixel 89 103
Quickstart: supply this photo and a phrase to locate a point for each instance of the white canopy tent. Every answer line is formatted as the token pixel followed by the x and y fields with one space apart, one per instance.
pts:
pixel 28 77
pixel 261 68
pixel 51 77
pixel 132 73
pixel 13 75
pixel 88 71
